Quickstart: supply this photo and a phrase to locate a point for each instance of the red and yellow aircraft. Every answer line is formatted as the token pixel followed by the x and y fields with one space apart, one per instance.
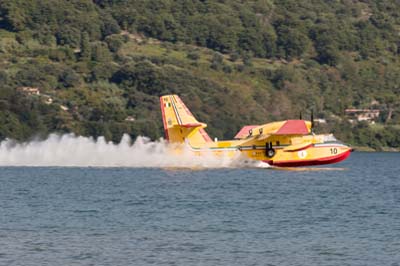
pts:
pixel 285 143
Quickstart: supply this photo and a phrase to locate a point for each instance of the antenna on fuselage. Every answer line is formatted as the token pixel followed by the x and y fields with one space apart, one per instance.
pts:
pixel 301 116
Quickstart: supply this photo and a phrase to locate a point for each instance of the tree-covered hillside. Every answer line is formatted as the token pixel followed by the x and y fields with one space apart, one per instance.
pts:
pixel 100 65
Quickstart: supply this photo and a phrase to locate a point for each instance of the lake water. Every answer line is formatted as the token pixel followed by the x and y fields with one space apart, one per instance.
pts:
pixel 348 214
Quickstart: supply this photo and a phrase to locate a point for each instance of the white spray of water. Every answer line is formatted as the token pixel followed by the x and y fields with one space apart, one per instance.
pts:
pixel 74 151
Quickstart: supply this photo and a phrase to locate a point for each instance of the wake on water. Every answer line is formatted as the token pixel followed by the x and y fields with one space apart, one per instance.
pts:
pixel 74 151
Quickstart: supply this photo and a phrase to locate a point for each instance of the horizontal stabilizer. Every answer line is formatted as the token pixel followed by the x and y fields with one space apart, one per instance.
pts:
pixel 190 125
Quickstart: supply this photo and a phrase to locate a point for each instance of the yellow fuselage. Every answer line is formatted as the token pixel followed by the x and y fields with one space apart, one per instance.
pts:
pixel 294 150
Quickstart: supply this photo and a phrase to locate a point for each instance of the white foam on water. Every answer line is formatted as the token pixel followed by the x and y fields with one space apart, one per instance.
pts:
pixel 75 151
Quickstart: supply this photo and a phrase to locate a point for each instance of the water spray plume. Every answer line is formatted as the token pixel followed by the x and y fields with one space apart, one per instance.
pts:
pixel 74 151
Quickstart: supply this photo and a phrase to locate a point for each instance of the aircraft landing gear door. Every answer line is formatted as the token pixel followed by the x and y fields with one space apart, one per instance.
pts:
pixel 269 151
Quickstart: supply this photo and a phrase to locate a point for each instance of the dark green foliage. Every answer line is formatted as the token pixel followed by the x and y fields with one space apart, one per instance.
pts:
pixel 280 29
pixel 326 47
pixel 86 49
pixel 193 55
pixel 217 61
pixel 109 25
pixel 247 59
pixel 100 52
pixel 292 43
pixel 103 71
pixel 114 42
pixel 23 36
pixel 142 76
pixel 227 69
pixel 234 56
pixel 22 117
pixel 3 77
pixel 68 78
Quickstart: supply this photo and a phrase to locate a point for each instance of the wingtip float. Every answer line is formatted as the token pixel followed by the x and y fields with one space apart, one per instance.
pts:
pixel 288 143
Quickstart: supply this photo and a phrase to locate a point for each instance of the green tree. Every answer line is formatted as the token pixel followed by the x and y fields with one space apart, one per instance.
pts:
pixel 86 50
pixel 100 52
pixel 115 42
pixel 293 43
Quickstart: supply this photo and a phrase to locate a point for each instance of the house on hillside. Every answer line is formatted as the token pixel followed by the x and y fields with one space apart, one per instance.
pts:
pixel 368 115
pixel 320 120
pixel 130 119
pixel 64 108
pixel 47 99
pixel 29 90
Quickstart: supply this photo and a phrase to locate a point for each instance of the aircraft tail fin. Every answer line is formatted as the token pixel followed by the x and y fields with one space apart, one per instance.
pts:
pixel 180 125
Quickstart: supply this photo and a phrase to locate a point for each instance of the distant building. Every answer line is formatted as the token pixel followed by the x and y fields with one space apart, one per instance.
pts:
pixel 369 115
pixel 374 103
pixel 64 108
pixel 320 120
pixel 136 37
pixel 29 90
pixel 47 99
pixel 130 119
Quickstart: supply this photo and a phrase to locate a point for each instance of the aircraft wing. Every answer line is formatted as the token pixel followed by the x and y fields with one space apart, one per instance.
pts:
pixel 294 127
pixel 263 132
pixel 250 140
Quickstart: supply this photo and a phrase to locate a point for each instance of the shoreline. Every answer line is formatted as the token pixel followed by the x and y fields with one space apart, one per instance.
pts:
pixel 369 149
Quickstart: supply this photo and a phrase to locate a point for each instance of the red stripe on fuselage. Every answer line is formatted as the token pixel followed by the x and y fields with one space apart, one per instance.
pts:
pixel 163 118
pixel 302 148
pixel 205 136
pixel 321 161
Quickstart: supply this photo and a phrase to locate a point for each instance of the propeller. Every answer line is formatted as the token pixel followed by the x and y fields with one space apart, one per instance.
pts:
pixel 312 120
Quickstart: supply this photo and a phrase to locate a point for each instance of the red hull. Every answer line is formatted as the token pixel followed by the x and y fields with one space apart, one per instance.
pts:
pixel 321 161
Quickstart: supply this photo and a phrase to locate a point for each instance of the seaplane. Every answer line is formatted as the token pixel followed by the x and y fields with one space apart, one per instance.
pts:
pixel 288 143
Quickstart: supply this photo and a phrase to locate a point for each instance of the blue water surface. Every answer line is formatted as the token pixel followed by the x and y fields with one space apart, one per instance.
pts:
pixel 349 215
